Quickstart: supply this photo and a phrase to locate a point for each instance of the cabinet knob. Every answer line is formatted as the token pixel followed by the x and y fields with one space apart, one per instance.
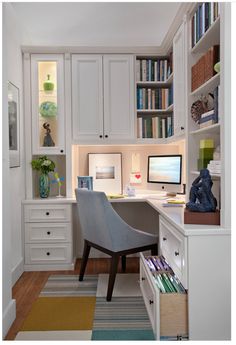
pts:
pixel 61 151
pixel 150 301
pixel 143 278
pixel 176 253
pixel 164 239
pixel 49 232
pixel 48 253
pixel 47 213
pixel 182 128
pixel 100 136
pixel 106 136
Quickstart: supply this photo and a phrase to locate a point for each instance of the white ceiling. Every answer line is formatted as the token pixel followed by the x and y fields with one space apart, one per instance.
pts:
pixel 96 24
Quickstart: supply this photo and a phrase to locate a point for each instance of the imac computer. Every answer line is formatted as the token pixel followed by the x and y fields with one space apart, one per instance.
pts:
pixel 165 170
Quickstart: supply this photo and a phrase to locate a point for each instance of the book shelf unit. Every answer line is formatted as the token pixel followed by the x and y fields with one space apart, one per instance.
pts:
pixel 154 98
pixel 195 134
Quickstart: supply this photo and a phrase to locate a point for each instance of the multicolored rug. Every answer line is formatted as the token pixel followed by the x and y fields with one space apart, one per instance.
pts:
pixel 71 310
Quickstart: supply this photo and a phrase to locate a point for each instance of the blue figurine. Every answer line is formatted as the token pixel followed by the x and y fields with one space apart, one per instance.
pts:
pixel 201 198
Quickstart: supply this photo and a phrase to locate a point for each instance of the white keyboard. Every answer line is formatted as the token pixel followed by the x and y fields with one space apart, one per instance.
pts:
pixel 157 197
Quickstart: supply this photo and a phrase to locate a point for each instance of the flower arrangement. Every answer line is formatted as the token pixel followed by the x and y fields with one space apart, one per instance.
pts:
pixel 43 164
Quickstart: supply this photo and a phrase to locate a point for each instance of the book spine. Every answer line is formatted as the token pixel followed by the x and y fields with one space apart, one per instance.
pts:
pixel 138 70
pixel 215 94
pixel 144 70
pixel 163 128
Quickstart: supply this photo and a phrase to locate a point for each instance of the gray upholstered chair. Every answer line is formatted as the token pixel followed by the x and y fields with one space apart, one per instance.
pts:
pixel 105 230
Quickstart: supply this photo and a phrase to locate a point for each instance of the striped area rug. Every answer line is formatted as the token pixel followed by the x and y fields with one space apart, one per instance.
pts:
pixel 64 298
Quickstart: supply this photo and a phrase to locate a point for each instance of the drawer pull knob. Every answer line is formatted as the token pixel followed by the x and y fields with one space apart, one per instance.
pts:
pixel 143 278
pixel 48 253
pixel 150 301
pixel 176 253
pixel 106 136
pixel 49 232
pixel 100 136
pixel 164 239
pixel 47 213
pixel 61 151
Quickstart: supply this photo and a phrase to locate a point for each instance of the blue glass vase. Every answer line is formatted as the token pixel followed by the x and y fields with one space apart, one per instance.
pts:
pixel 44 186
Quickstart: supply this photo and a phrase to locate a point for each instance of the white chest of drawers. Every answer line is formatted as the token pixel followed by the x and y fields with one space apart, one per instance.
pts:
pixel 48 236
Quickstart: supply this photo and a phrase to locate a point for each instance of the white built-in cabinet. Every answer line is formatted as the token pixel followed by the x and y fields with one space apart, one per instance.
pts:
pixel 179 80
pixel 48 105
pixel 102 98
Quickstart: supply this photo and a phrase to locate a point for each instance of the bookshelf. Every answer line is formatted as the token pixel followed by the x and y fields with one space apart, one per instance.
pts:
pixel 202 54
pixel 154 98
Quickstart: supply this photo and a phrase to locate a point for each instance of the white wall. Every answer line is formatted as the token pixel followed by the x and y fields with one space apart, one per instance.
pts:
pixel 13 179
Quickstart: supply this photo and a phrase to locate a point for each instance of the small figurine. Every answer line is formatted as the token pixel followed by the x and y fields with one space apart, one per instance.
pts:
pixel 47 139
pixel 58 180
pixel 201 198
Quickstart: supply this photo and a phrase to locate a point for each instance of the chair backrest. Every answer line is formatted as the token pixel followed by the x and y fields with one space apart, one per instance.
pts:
pixel 100 224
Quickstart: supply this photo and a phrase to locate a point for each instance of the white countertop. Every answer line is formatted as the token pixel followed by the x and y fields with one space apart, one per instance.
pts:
pixel 175 215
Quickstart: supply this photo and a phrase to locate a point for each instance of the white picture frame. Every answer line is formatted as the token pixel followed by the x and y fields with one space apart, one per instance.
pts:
pixel 14 125
pixel 105 168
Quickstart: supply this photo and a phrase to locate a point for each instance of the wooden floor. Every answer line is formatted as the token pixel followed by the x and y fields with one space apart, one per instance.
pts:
pixel 27 288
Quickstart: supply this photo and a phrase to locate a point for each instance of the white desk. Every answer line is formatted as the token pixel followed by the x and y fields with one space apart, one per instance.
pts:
pixel 204 266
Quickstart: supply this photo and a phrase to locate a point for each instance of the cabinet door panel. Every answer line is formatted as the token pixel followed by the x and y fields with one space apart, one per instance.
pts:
pixel 87 97
pixel 179 65
pixel 118 96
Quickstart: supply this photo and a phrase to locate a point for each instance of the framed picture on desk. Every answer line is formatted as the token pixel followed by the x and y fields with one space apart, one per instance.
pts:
pixel 105 168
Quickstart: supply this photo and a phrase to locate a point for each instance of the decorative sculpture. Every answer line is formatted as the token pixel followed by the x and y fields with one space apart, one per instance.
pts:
pixel 201 198
pixel 47 139
pixel 58 181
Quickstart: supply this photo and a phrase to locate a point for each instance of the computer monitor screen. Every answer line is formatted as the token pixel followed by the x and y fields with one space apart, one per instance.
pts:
pixel 164 169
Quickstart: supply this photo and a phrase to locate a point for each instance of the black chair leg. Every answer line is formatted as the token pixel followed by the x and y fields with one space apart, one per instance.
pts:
pixel 86 252
pixel 154 250
pixel 112 275
pixel 123 263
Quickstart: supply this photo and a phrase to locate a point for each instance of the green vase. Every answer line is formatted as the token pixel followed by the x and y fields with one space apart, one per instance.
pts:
pixel 48 84
pixel 44 186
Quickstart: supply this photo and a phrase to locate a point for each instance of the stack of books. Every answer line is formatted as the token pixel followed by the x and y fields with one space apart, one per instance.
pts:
pixel 203 18
pixel 150 99
pixel 207 119
pixel 153 69
pixel 203 69
pixel 154 127
pixel 214 167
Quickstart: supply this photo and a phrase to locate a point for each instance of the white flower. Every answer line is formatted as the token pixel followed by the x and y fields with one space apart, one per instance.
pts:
pixel 46 163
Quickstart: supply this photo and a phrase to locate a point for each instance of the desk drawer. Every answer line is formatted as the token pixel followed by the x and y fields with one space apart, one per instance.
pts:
pixel 168 312
pixel 47 213
pixel 48 253
pixel 48 232
pixel 173 246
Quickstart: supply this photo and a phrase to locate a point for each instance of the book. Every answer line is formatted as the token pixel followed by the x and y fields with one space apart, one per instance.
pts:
pixel 207 123
pixel 163 128
pixel 207 118
pixel 172 205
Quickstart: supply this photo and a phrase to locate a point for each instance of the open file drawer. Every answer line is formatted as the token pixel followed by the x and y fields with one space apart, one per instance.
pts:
pixel 168 312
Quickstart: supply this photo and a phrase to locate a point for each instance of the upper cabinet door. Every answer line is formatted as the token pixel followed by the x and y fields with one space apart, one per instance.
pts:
pixel 118 97
pixel 179 66
pixel 47 78
pixel 87 97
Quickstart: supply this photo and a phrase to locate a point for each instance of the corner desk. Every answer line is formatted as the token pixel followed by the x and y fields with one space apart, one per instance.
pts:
pixel 199 255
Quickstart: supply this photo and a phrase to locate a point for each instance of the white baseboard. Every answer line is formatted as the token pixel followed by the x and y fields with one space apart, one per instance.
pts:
pixel 17 271
pixel 9 315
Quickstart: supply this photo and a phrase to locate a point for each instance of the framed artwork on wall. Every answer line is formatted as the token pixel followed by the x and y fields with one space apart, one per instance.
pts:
pixel 14 125
pixel 105 168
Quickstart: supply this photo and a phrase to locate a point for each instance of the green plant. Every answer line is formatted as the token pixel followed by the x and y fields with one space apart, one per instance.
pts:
pixel 43 164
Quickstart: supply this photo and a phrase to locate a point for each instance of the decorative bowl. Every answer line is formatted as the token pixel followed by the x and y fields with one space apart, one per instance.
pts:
pixel 48 109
